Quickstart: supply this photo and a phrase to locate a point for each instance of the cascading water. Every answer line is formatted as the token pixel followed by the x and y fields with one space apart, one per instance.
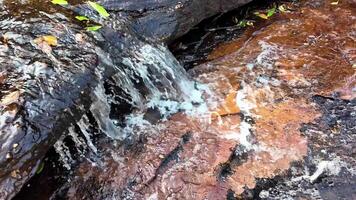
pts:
pixel 112 83
pixel 151 80
pixel 120 107
pixel 112 79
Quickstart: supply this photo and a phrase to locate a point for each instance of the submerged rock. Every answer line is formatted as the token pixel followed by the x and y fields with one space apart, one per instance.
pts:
pixel 280 122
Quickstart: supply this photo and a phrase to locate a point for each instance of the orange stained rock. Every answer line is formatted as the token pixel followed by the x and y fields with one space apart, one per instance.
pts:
pixel 230 47
pixel 279 143
pixel 229 106
pixel 195 175
pixel 311 59
pixel 348 90
pixel 278 124
pixel 315 48
pixel 192 171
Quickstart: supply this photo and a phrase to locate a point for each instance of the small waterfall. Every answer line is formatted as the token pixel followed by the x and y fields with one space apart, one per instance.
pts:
pixel 100 109
pixel 169 87
pixel 64 154
pixel 109 84
pixel 84 124
pixel 148 79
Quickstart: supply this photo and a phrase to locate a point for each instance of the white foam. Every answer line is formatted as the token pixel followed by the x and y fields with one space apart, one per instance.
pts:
pixel 332 167
pixel 84 126
pixel 100 109
pixel 268 55
pixel 153 196
pixel 328 167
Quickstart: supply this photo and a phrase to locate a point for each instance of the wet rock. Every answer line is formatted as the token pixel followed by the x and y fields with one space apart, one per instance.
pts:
pixel 280 122
pixel 33 100
pixel 328 170
pixel 169 19
pixel 53 72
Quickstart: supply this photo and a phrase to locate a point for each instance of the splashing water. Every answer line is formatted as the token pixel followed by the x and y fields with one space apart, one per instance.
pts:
pixel 108 83
pixel 150 79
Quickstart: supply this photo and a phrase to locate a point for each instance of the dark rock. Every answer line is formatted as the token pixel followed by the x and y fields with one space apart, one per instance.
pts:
pixel 166 20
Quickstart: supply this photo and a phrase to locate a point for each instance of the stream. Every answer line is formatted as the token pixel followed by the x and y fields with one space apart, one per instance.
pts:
pixel 240 107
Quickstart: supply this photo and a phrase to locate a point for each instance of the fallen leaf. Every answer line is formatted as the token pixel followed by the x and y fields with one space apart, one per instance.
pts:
pixel 100 9
pixel 242 23
pixel 60 2
pixel 249 23
pixel 334 3
pixel 49 39
pixel 40 168
pixel 93 28
pixel 10 98
pixel 82 18
pixel 261 15
pixel 282 8
pixel 271 12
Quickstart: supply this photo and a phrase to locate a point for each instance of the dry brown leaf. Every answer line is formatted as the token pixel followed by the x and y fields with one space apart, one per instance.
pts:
pixel 10 98
pixel 2 77
pixel 49 39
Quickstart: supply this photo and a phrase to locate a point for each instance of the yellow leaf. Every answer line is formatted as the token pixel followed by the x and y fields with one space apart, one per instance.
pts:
pixel 10 98
pixel 60 2
pixel 249 23
pixel 51 40
pixel 334 3
pixel 262 15
pixel 48 39
pixel 282 8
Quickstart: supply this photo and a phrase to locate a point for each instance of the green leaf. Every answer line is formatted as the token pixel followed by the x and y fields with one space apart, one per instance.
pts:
pixel 60 2
pixel 40 168
pixel 100 9
pixel 82 18
pixel 271 12
pixel 242 23
pixel 93 28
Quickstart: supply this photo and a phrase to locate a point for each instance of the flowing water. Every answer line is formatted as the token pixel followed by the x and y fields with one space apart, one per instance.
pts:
pixel 269 129
pixel 112 79
pixel 127 121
